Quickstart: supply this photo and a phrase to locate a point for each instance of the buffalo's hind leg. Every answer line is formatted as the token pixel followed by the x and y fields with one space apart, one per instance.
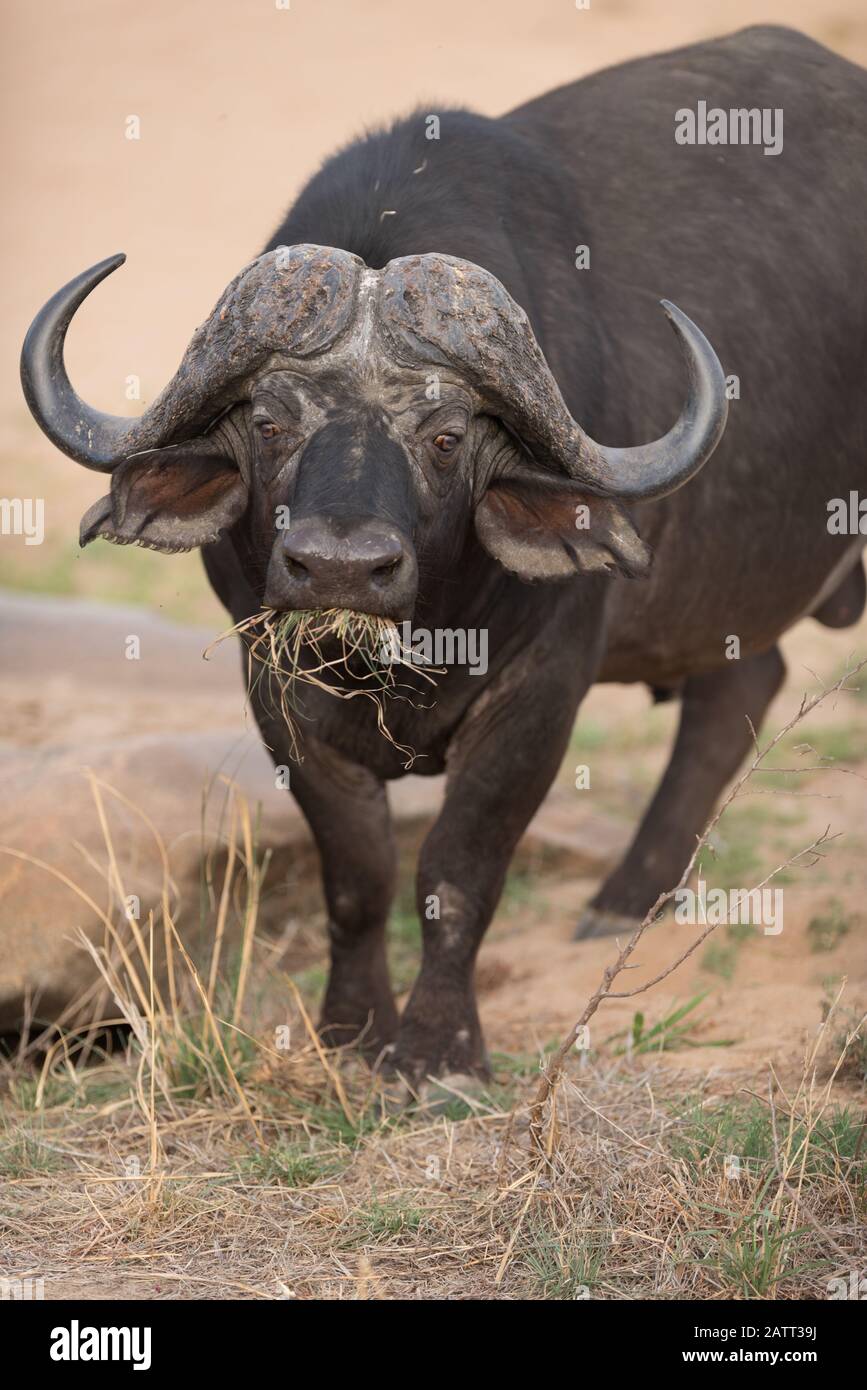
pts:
pixel 712 741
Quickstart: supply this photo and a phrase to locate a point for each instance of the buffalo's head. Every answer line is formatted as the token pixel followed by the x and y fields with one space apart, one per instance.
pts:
pixel 351 425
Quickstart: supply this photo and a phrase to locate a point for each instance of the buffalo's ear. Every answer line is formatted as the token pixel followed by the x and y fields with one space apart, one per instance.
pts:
pixel 550 529
pixel 169 499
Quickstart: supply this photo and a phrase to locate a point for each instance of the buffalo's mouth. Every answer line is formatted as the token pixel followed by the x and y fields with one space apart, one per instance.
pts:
pixel 341 651
pixel 339 646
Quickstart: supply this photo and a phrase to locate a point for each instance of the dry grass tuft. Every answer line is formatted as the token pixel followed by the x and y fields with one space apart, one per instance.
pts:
pixel 344 653
pixel 656 1189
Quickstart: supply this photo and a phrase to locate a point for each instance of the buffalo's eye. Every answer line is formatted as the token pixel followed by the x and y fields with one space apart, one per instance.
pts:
pixel 267 429
pixel 446 444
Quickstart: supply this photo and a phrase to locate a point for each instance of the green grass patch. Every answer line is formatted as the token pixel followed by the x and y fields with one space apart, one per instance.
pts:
pixel 826 930
pixel 521 1065
pixel 312 981
pixel 129 574
pixel 404 941
pixel 521 894
pixel 330 1119
pixel 588 737
pixel 850 1033
pixel 708 1134
pixel 757 1255
pixel 669 1034
pixel 561 1266
pixel 720 958
pixel 736 859
pixel 69 1089
pixel 387 1220
pixel 24 1155
pixel 291 1165
pixel 198 1068
pixel 816 750
pixel 842 743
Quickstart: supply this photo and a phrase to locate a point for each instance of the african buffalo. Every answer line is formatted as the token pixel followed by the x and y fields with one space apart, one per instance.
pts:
pixel 420 365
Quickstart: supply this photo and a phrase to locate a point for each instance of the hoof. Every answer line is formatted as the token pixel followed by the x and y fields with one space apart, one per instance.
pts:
pixel 398 1090
pixel 370 1033
pixel 433 1096
pixel 404 1090
pixel 437 1093
pixel 396 1096
pixel 594 921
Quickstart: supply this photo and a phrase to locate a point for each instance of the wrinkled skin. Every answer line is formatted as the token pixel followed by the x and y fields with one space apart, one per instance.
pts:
pixel 483 535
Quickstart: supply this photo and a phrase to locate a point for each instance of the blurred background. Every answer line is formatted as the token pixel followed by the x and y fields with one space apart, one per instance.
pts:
pixel 238 103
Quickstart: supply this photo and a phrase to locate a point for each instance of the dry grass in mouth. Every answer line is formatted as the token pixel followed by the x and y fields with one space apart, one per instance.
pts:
pixel 290 648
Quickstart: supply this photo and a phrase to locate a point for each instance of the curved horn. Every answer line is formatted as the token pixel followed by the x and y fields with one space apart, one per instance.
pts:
pixel 85 434
pixel 293 301
pixel 452 312
pixel 652 470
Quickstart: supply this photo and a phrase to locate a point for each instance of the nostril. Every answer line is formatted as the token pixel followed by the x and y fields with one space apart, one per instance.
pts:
pixel 387 570
pixel 295 567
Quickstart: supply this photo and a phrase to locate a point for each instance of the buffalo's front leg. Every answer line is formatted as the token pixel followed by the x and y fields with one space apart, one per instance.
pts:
pixel 500 765
pixel 347 811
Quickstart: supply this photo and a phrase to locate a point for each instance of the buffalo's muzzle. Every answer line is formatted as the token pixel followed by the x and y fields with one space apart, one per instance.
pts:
pixel 365 565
